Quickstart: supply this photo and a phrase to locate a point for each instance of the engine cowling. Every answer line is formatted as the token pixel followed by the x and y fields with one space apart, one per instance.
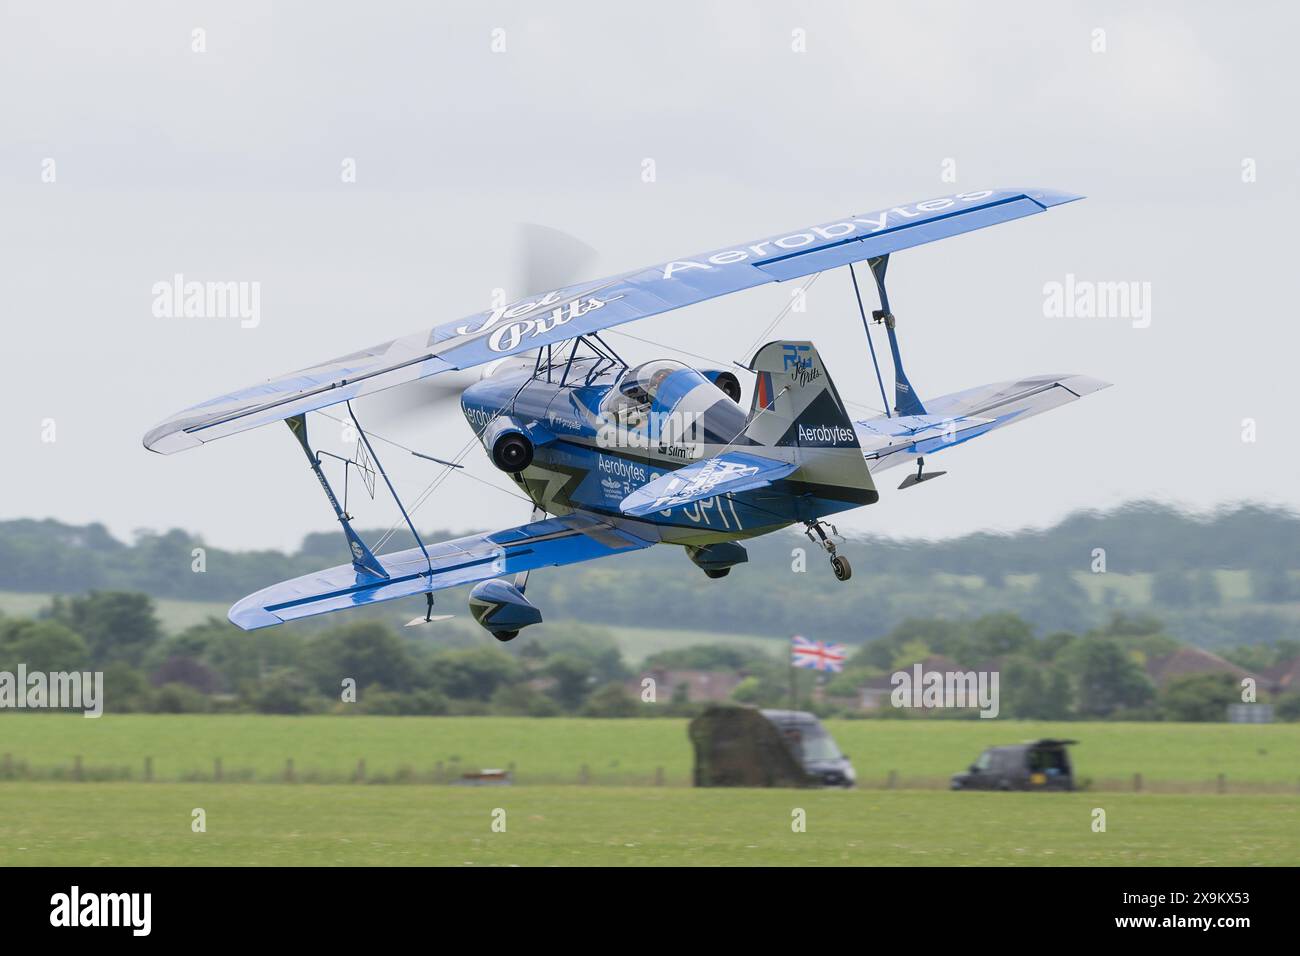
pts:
pixel 502 609
pixel 507 442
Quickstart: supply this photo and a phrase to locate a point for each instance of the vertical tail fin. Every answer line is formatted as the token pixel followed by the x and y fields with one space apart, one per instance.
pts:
pixel 796 406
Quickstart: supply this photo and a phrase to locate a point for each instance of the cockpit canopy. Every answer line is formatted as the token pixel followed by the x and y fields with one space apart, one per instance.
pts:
pixel 642 385
pixel 655 386
pixel 652 393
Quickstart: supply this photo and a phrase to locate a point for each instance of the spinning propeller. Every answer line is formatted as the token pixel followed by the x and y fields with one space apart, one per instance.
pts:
pixel 544 258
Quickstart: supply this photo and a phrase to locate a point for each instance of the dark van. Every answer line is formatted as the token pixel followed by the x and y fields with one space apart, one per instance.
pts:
pixel 1037 765
pixel 812 745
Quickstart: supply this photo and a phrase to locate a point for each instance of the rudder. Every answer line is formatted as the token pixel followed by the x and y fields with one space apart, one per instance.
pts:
pixel 796 405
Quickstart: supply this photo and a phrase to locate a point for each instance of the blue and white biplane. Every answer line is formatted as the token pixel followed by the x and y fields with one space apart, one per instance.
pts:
pixel 617 458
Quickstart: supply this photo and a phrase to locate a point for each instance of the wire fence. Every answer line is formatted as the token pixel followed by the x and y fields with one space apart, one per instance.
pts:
pixel 76 769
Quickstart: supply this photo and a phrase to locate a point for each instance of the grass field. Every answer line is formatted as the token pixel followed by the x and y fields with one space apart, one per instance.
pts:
pixel 629 752
pixel 129 824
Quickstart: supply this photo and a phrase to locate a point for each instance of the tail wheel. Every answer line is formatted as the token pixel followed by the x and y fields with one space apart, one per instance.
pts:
pixel 840 565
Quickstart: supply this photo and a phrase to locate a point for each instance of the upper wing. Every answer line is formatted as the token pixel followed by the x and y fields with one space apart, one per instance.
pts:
pixel 592 306
pixel 477 557
pixel 730 472
pixel 961 416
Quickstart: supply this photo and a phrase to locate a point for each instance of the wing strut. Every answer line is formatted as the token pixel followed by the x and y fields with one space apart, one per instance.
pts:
pixel 391 490
pixel 363 559
pixel 905 399
pixel 866 327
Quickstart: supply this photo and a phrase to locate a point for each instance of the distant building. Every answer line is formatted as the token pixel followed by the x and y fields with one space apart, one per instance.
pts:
pixel 874 693
pixel 701 686
pixel 1284 677
pixel 1187 661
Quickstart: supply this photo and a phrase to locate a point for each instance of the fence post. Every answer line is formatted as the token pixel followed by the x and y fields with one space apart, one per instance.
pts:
pixel 584 775
pixel 438 774
pixel 216 769
pixel 659 776
pixel 1137 783
pixel 361 771
pixel 76 767
pixel 892 782
pixel 288 770
pixel 148 768
pixel 1223 783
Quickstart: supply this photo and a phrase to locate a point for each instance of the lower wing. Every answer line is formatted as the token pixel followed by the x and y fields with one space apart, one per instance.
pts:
pixel 477 557
pixel 953 419
pixel 730 473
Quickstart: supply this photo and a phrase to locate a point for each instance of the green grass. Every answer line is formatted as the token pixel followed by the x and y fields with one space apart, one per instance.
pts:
pixel 921 752
pixel 126 824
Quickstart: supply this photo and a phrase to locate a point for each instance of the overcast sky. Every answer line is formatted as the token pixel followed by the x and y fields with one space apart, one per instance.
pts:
pixel 226 165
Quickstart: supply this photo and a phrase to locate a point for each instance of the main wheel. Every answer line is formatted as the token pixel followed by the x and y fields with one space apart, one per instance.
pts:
pixel 840 565
pixel 717 572
pixel 504 636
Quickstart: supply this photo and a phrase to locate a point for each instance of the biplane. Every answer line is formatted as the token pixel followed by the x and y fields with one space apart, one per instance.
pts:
pixel 614 457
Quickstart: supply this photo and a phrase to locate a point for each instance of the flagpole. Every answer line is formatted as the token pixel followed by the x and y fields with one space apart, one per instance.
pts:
pixel 790 663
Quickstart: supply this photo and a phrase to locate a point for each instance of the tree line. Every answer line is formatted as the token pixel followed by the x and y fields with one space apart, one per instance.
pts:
pixel 370 667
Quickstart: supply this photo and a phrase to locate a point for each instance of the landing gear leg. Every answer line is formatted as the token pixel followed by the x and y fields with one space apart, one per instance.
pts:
pixel 839 564
pixel 428 613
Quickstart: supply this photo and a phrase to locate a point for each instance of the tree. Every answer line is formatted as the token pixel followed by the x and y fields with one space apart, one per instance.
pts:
pixel 1272 585
pixel 997 635
pixel 1034 693
pixel 186 671
pixel 42 646
pixel 572 676
pixel 1171 588
pixel 179 699
pixel 594 645
pixel 367 651
pixel 703 657
pixel 1205 589
pixel 1107 678
pixel 116 625
pixel 1288 706
pixel 611 700
pixel 283 691
pixel 472 674
pixel 1058 601
pixel 520 700
pixel 241 657
pixel 1199 697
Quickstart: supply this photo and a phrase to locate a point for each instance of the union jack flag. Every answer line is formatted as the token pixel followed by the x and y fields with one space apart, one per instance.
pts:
pixel 816 655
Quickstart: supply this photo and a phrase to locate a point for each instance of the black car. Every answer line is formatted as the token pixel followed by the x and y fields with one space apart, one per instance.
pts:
pixel 1037 765
pixel 813 746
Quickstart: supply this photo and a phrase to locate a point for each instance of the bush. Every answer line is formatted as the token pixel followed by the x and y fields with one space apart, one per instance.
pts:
pixel 284 691
pixel 1199 697
pixel 611 700
pixel 176 698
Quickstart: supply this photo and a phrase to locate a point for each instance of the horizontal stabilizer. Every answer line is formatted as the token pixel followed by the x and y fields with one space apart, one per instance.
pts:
pixel 729 473
pixel 961 416
pixel 478 557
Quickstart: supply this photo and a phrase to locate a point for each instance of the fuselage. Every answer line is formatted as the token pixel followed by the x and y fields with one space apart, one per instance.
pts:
pixel 618 429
